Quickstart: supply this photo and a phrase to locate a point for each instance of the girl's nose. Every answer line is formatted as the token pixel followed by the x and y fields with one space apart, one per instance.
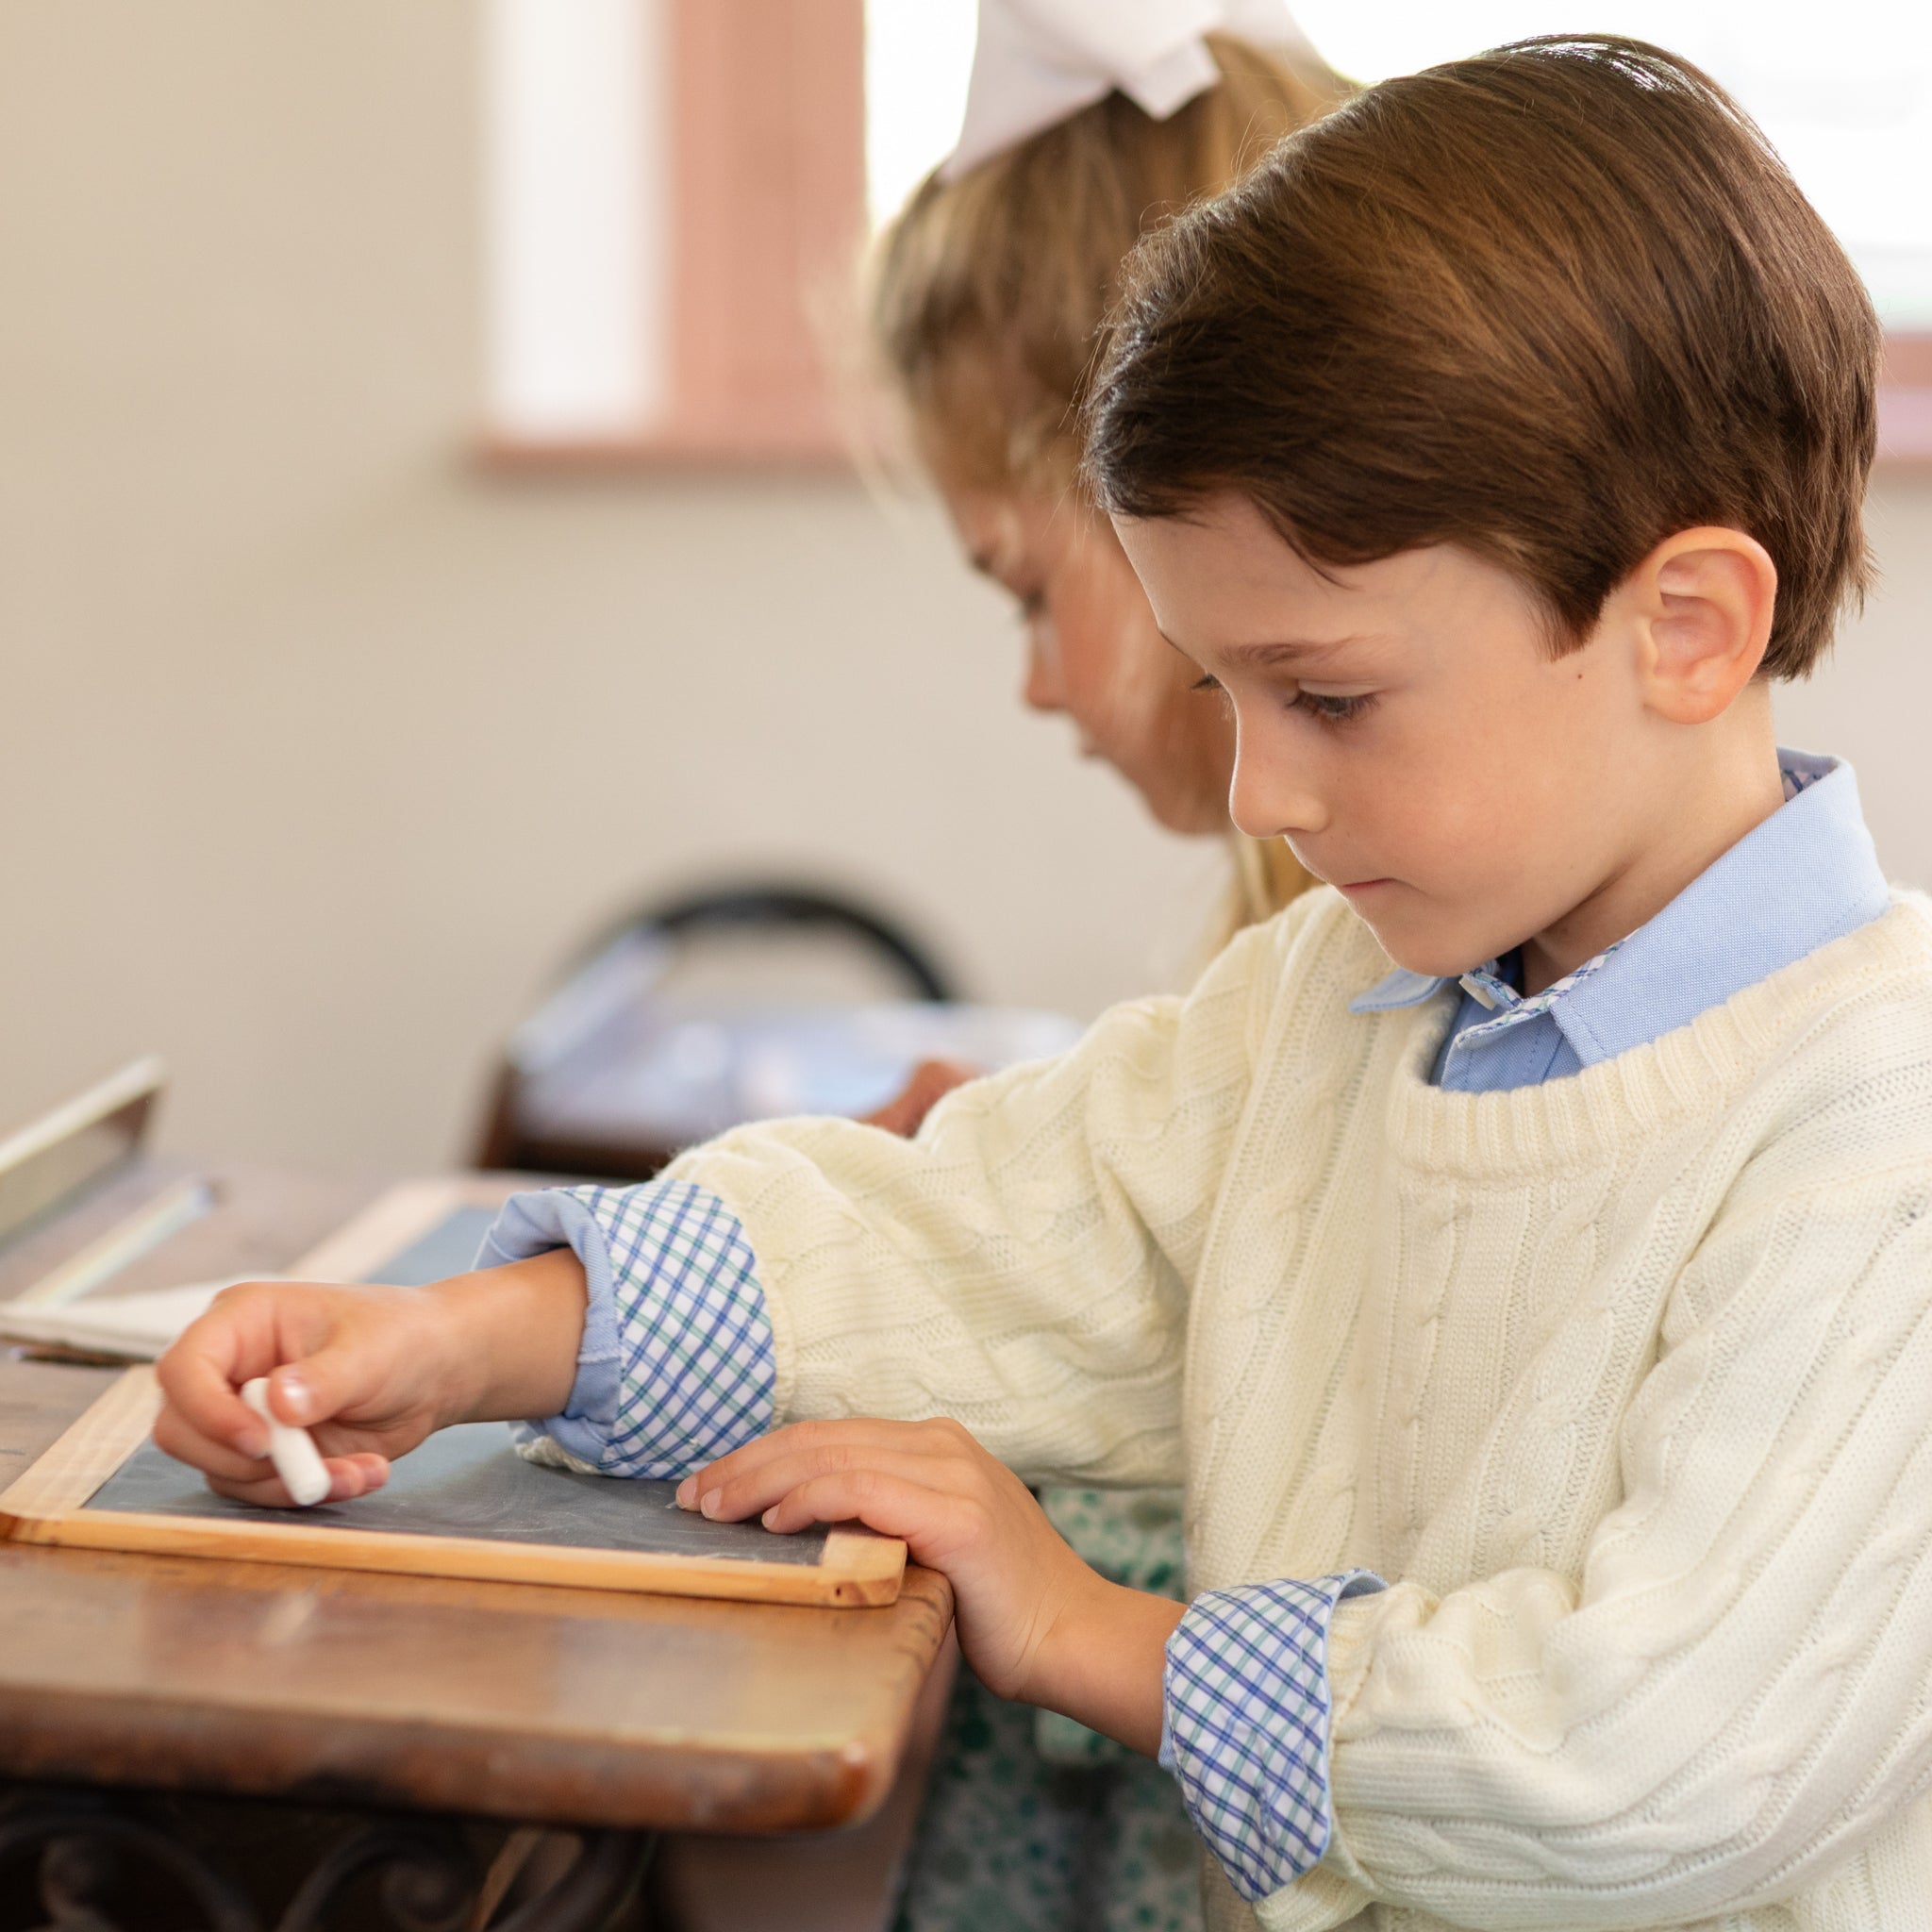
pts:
pixel 1041 691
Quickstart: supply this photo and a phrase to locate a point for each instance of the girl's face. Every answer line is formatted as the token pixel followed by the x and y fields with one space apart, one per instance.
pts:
pixel 1094 651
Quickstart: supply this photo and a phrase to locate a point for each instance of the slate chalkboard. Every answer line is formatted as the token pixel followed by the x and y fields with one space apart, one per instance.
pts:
pixel 467 1481
pixel 448 1248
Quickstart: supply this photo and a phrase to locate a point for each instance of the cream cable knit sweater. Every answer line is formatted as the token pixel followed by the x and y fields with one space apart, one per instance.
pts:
pixel 1624 1381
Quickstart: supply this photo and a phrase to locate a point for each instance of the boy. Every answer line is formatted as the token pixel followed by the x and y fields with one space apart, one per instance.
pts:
pixel 1491 449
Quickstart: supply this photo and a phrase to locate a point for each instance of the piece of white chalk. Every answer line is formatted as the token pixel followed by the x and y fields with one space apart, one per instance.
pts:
pixel 293 1451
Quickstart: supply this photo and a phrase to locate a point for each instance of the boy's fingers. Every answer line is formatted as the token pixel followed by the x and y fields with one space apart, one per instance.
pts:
pixel 296 1335
pixel 892 1505
pixel 729 1496
pixel 349 1477
pixel 264 1492
pixel 197 1377
pixel 834 1442
pixel 176 1436
pixel 338 1375
pixel 750 1478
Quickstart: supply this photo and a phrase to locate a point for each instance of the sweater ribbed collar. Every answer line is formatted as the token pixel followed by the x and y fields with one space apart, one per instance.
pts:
pixel 1699 1068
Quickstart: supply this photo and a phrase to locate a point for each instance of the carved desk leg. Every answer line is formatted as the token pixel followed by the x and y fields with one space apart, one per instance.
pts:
pixel 115 1862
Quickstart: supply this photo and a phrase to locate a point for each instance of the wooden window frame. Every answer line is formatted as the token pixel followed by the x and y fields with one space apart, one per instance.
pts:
pixel 766 188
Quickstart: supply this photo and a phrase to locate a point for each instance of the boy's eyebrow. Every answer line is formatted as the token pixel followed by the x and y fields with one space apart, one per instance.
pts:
pixel 1274 655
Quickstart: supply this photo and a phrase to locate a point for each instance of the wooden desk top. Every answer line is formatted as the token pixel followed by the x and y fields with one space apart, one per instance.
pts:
pixel 576 1706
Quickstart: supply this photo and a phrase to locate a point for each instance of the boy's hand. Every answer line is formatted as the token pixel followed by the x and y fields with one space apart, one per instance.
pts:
pixel 360 1366
pixel 369 1372
pixel 1035 1621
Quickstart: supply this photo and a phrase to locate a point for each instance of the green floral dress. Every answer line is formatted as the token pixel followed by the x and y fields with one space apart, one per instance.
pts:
pixel 1035 1823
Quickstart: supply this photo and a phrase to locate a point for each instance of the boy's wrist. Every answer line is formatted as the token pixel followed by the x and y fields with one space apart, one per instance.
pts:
pixel 508 1338
pixel 1102 1661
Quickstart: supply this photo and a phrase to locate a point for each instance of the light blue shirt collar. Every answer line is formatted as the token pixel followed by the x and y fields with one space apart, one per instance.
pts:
pixel 1806 875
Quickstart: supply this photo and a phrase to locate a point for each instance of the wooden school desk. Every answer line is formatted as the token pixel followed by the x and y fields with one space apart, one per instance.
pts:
pixel 390 1698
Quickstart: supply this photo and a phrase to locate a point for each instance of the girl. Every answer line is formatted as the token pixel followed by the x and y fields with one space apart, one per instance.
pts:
pixel 985 296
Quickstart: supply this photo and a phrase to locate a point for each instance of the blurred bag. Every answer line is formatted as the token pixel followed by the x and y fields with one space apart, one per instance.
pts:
pixel 726 1006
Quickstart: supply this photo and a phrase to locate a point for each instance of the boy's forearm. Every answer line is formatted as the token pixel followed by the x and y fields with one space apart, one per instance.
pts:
pixel 1103 1662
pixel 518 1330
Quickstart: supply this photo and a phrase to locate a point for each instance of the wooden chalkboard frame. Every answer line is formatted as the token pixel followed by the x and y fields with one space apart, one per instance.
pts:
pixel 47 1503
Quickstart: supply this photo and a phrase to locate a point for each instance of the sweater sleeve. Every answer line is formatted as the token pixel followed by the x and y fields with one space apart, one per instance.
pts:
pixel 1739 1691
pixel 1024 1263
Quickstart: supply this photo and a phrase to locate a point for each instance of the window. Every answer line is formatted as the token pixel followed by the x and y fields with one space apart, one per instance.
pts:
pixel 672 184
pixel 1845 93
pixel 574 191
pixel 918 56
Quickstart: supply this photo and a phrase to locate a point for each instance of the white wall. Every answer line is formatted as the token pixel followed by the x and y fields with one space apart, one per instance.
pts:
pixel 1872 703
pixel 319 748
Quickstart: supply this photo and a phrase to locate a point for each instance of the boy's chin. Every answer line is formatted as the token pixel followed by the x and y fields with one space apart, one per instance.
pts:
pixel 1431 952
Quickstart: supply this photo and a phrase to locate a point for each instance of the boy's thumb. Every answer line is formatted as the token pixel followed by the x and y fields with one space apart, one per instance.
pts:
pixel 313 1389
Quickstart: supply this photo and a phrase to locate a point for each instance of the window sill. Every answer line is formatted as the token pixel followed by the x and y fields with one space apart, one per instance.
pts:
pixel 802 440
pixel 768 448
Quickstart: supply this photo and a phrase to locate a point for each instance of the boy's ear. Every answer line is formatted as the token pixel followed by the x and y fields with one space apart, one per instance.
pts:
pixel 1702 604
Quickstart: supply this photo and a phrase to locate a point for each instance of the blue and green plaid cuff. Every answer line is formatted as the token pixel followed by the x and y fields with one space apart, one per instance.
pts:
pixel 678 1365
pixel 1245 1724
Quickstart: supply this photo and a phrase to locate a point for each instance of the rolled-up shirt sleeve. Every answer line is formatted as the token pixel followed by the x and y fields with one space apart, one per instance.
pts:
pixel 678 1364
pixel 1244 1724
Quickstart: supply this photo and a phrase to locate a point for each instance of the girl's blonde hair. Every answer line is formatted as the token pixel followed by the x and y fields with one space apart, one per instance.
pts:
pixel 986 294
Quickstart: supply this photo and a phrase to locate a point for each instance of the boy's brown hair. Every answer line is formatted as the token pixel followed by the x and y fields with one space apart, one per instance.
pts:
pixel 1552 304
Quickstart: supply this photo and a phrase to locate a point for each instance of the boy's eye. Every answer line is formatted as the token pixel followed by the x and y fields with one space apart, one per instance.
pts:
pixel 1206 682
pixel 1331 708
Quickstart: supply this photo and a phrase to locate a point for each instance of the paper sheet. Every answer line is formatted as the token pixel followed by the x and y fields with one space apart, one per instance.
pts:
pixel 128 1327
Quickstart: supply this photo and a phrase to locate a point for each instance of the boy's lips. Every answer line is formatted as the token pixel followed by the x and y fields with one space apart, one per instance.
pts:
pixel 1361 885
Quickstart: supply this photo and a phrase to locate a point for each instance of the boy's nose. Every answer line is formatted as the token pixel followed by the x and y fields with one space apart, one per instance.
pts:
pixel 1269 796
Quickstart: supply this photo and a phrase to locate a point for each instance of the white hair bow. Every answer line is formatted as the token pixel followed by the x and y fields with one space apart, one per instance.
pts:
pixel 1037 61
